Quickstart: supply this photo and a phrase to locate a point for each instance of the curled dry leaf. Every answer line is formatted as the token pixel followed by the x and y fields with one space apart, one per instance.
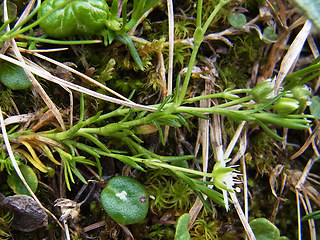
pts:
pixel 69 209
pixel 273 178
pixel 307 188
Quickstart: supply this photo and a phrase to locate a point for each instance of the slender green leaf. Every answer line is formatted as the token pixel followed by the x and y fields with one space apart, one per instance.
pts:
pixel 314 215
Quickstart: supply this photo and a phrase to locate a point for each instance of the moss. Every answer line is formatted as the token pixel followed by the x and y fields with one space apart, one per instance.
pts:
pixel 263 152
pixel 235 68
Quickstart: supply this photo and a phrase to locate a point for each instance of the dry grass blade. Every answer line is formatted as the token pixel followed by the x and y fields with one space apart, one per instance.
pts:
pixel 242 148
pixel 298 213
pixel 308 209
pixel 242 217
pixel 245 187
pixel 80 75
pixel 48 76
pixel 203 136
pixel 39 88
pixel 293 53
pixel 234 140
pixel 32 79
pixel 305 173
pixel 315 52
pixel 26 11
pixel 310 139
pixel 171 44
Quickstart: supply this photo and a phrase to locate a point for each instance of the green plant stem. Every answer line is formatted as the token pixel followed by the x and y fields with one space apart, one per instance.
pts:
pixel 198 38
pixel 185 85
pixel 167 114
pixel 199 12
pixel 4 25
pixel 230 95
pixel 58 42
pixel 107 130
pixel 214 13
pixel 224 95
pixel 157 163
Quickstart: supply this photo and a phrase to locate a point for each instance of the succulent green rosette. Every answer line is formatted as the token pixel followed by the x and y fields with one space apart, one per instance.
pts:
pixel 78 17
pixel 125 200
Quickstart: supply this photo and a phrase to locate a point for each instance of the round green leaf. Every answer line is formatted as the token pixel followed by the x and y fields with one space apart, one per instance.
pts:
pixel 237 19
pixel 315 107
pixel 269 34
pixel 14 76
pixel 17 185
pixel 125 200
pixel 12 11
pixel 263 229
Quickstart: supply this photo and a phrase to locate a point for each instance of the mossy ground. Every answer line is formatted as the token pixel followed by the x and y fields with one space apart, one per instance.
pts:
pixel 113 66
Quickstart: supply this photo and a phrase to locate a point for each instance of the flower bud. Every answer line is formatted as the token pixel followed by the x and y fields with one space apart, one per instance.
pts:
pixel 263 91
pixel 301 93
pixel 285 106
pixel 113 25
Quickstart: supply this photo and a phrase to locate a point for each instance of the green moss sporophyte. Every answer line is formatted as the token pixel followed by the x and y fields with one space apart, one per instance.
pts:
pixel 125 200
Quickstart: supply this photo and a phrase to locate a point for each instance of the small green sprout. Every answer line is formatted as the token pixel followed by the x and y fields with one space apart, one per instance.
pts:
pixel 125 200
pixel 301 92
pixel 270 35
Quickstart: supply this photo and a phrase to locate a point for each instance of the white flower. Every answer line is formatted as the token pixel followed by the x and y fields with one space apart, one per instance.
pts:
pixel 224 178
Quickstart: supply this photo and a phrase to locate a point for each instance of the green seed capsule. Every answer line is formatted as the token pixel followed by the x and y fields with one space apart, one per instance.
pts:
pixel 14 76
pixel 285 106
pixel 263 91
